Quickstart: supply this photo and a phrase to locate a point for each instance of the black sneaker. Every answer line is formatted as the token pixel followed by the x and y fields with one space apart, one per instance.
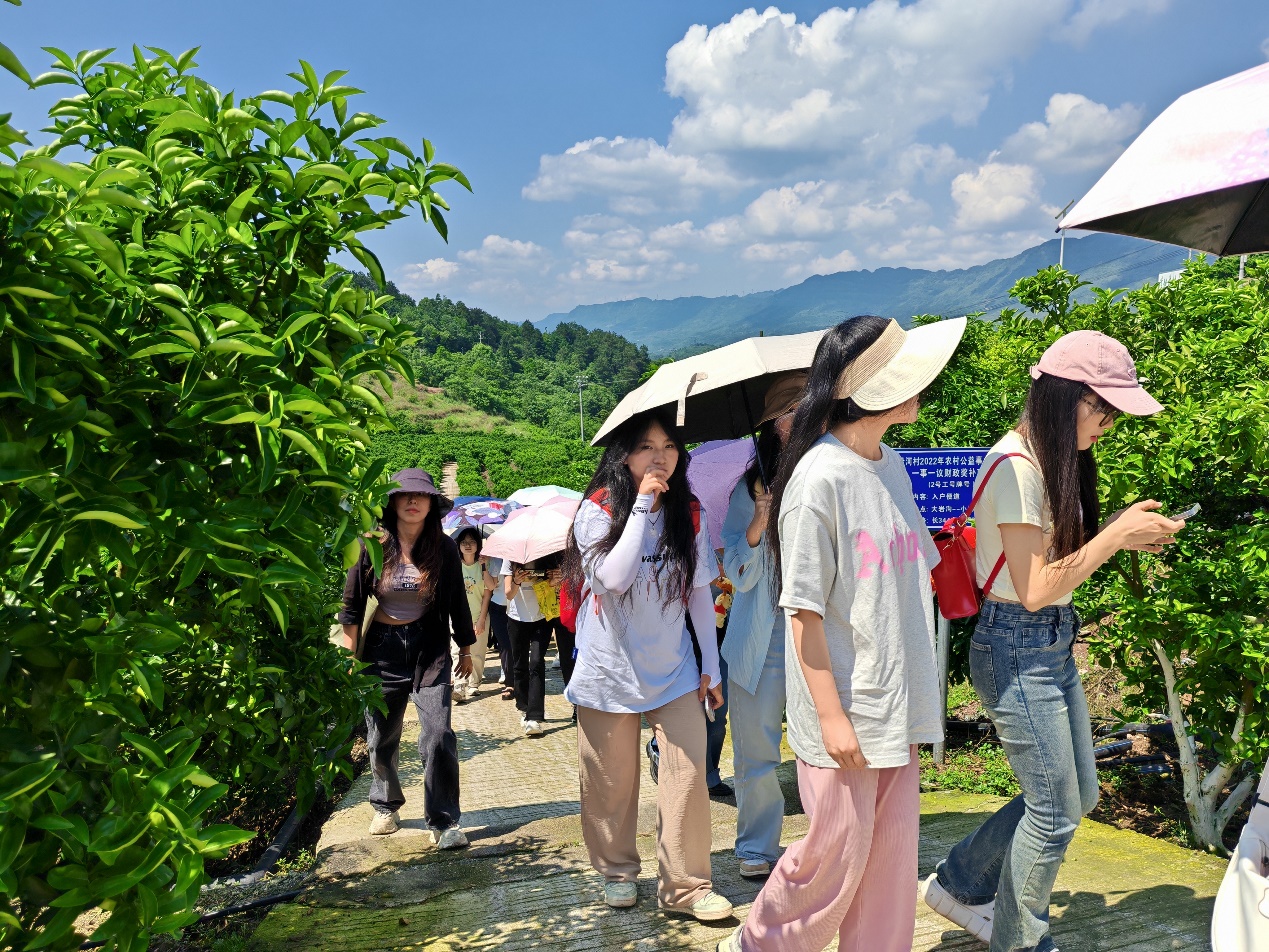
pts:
pixel 721 791
pixel 654 758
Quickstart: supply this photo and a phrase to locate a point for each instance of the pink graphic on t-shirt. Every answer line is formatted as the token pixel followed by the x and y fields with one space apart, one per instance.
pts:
pixel 903 549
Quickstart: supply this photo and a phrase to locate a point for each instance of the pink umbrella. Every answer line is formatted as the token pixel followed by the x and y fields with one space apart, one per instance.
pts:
pixel 533 532
pixel 1197 177
pixel 713 472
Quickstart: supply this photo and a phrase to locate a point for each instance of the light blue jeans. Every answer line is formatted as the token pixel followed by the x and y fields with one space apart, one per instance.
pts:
pixel 1025 675
pixel 756 728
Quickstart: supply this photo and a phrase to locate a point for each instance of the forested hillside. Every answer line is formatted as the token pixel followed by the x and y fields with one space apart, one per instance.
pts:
pixel 516 371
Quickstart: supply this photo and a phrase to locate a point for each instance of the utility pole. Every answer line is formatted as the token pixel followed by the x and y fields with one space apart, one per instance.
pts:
pixel 582 383
pixel 480 335
pixel 1062 231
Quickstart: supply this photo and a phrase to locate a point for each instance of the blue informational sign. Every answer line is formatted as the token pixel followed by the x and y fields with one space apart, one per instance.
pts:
pixel 942 481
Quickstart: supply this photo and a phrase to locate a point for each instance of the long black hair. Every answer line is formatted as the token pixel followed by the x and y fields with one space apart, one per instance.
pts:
pixel 615 488
pixel 1050 421
pixel 425 553
pixel 769 453
pixel 820 410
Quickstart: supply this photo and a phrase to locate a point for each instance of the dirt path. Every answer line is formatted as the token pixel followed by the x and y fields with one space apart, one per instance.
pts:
pixel 526 882
pixel 449 480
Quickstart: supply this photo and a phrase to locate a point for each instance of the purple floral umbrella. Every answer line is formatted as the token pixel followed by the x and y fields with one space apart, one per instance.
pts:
pixel 482 512
pixel 713 470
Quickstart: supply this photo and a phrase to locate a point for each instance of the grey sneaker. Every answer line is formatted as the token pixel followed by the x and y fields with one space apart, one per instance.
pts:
pixel 451 838
pixel 976 920
pixel 708 908
pixel 385 823
pixel 621 895
pixel 754 868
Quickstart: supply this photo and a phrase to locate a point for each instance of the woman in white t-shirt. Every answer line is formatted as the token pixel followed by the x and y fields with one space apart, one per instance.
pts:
pixel 1038 540
pixel 640 556
pixel 529 633
pixel 854 559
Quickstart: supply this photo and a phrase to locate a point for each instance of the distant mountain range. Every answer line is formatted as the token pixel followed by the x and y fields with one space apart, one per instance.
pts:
pixel 694 323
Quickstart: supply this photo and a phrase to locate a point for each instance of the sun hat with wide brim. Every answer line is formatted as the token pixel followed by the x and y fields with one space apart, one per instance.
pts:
pixel 420 481
pixel 784 394
pixel 900 364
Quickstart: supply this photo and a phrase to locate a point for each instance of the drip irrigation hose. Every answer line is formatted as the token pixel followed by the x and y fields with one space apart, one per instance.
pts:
pixel 224 913
pixel 1111 749
pixel 271 856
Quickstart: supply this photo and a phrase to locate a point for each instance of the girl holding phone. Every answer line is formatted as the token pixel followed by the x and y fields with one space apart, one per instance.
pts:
pixel 642 562
pixel 1037 523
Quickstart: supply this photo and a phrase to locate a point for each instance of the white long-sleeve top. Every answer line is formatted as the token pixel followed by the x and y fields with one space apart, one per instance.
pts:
pixel 634 653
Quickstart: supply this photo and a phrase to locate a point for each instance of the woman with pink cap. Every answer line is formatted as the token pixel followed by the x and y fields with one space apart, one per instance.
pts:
pixel 1039 538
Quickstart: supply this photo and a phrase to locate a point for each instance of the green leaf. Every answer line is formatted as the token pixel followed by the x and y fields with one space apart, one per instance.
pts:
pixel 48 79
pixel 239 205
pixel 307 445
pixel 106 250
pixel 182 119
pixel 367 258
pixel 119 519
pixel 19 462
pixel 28 780
pixel 10 62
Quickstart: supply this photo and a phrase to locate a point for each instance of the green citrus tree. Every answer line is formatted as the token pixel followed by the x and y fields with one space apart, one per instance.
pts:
pixel 183 433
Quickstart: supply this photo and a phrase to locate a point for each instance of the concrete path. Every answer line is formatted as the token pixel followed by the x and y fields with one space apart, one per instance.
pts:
pixel 525 883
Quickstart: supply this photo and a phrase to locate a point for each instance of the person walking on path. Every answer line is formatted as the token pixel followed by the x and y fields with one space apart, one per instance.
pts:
pixel 754 648
pixel 421 600
pixel 1038 540
pixel 854 558
pixel 498 630
pixel 479 585
pixel 642 562
pixel 529 633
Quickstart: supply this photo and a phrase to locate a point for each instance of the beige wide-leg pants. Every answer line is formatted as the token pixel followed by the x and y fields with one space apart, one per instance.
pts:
pixel 610 758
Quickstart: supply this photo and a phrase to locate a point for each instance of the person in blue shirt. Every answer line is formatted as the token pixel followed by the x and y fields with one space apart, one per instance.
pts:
pixel 754 647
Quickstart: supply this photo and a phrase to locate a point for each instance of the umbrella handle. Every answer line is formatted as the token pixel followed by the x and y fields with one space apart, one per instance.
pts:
pixel 753 435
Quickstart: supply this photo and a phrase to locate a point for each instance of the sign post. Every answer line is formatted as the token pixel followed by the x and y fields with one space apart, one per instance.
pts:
pixel 943 486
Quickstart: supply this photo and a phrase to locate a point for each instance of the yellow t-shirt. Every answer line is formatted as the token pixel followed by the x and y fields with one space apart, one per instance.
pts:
pixel 1014 494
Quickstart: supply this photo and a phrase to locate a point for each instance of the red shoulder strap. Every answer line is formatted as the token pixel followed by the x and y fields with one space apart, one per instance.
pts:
pixel 600 498
pixel 696 516
pixel 973 503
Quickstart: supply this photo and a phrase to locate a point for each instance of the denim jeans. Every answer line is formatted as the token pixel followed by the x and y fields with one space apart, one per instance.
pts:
pixel 756 730
pixel 392 653
pixel 1023 670
pixel 716 733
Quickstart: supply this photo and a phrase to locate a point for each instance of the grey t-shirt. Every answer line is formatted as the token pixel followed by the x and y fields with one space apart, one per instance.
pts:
pixel 854 550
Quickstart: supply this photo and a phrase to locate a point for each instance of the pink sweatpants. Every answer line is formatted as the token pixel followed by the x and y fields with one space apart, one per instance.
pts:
pixel 854 875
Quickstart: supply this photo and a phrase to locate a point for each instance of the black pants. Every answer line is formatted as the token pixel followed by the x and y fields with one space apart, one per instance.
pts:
pixel 392 653
pixel 528 645
pixel 566 642
pixel 498 625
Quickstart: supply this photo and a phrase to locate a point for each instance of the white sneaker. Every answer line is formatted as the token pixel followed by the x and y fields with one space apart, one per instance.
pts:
pixel 385 823
pixel 708 908
pixel 732 942
pixel 621 895
pixel 754 868
pixel 533 729
pixel 502 678
pixel 451 838
pixel 976 920
pixel 460 693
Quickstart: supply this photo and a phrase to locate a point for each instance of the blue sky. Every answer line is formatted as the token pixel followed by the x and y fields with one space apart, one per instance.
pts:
pixel 673 148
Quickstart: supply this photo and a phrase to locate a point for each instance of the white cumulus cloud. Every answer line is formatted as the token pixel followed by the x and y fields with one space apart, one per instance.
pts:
pixel 1076 134
pixel 865 78
pixel 844 260
pixel 626 169
pixel 428 274
pixel 1092 15
pixel 995 193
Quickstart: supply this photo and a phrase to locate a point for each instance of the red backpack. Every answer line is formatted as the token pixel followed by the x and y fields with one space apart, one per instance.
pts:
pixel 571 598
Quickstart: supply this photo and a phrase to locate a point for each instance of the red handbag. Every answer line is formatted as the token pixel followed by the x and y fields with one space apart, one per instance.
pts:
pixel 955 577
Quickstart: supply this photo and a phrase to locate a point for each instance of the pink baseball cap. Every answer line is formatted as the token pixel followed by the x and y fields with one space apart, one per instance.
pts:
pixel 1103 365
